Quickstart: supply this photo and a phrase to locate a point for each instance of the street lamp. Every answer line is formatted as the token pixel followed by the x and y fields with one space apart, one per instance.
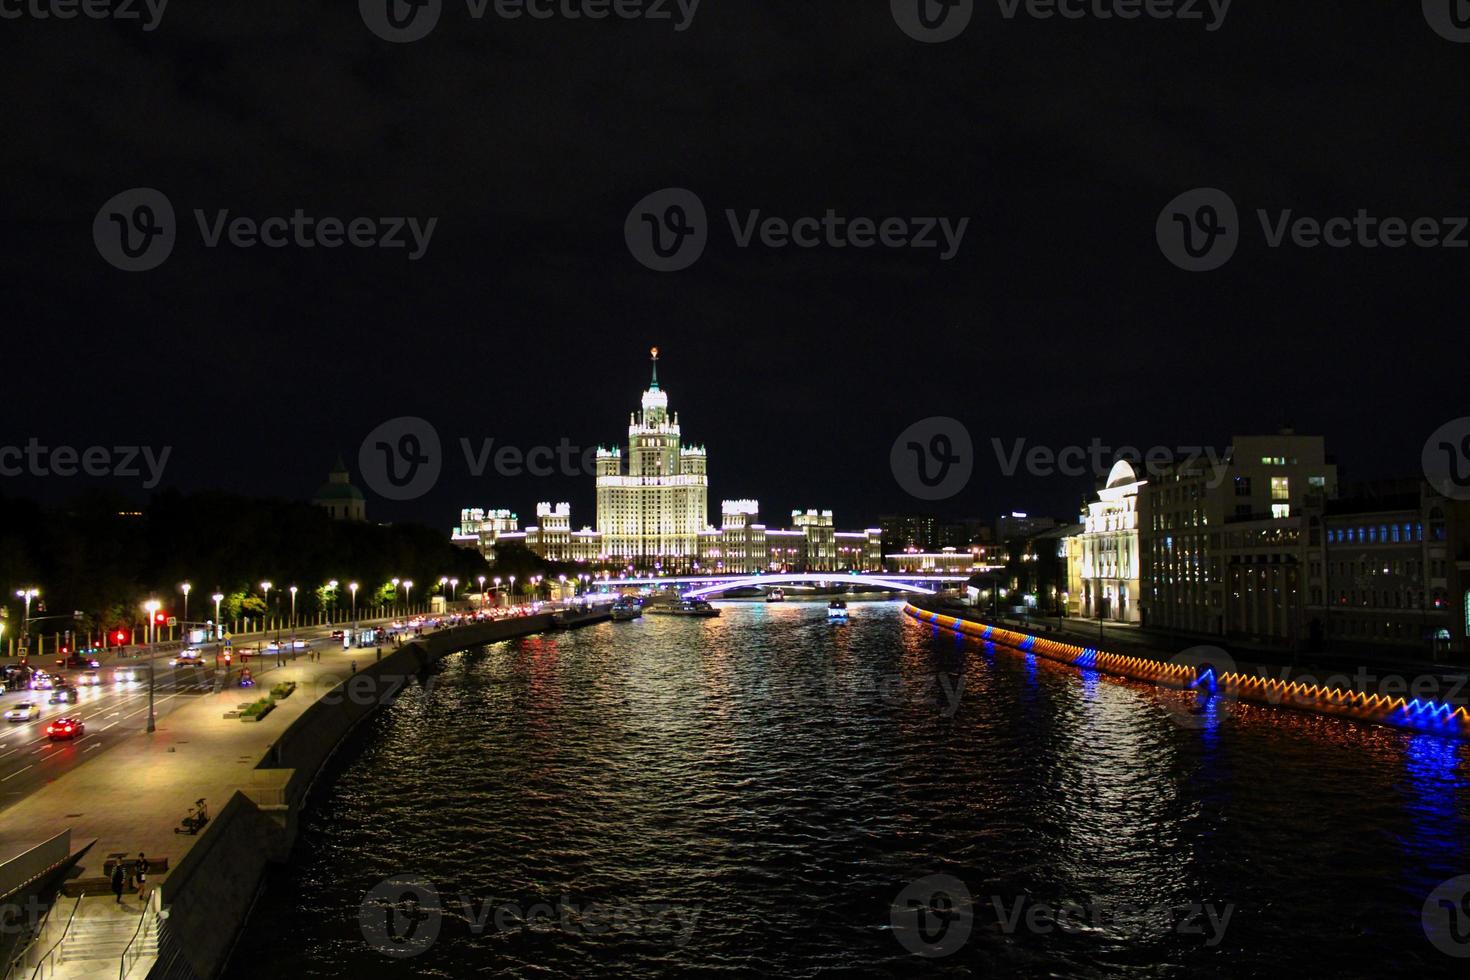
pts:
pixel 266 588
pixel 185 588
pixel 395 597
pixel 453 588
pixel 497 591
pixel 218 597
pixel 152 605
pixel 293 614
pixel 408 594
pixel 482 592
pixel 352 587
pixel 25 626
pixel 512 590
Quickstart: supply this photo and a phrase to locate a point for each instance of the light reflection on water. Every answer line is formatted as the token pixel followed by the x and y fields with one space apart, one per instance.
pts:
pixel 787 776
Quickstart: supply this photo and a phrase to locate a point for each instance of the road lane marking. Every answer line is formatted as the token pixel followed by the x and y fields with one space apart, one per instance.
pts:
pixel 14 774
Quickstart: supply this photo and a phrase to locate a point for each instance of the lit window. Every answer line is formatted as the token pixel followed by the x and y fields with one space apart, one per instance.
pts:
pixel 1280 488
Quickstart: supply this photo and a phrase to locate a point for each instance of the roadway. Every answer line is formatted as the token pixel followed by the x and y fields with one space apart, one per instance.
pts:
pixel 114 710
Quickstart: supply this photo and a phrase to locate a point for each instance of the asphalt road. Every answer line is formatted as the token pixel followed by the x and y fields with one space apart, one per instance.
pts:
pixel 112 710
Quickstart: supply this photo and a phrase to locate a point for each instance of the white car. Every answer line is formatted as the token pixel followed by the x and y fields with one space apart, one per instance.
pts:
pixel 300 644
pixel 24 711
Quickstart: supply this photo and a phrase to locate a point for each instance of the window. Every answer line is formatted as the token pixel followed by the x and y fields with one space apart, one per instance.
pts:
pixel 1280 488
pixel 1280 510
pixel 1242 486
pixel 1319 482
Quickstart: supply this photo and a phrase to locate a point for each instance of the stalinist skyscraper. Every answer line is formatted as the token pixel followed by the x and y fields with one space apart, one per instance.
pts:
pixel 653 508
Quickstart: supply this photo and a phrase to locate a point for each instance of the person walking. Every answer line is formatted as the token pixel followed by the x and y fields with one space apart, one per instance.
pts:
pixel 354 666
pixel 142 872
pixel 117 879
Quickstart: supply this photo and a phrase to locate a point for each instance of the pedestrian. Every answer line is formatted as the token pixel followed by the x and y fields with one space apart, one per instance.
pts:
pixel 142 872
pixel 379 651
pixel 354 666
pixel 117 879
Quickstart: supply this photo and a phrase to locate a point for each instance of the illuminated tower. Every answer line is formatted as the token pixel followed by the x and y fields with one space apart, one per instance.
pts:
pixel 653 511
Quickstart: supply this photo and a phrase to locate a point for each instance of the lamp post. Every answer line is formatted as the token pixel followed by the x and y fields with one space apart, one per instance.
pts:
pixel 25 624
pixel 453 589
pixel 352 587
pixel 293 616
pixel 152 606
pixel 185 588
pixel 395 596
pixel 482 593
pixel 218 597
pixel 266 588
pixel 497 591
pixel 408 594
pixel 512 590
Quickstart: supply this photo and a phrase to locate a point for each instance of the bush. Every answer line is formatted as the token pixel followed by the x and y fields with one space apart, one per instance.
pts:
pixel 282 691
pixel 258 709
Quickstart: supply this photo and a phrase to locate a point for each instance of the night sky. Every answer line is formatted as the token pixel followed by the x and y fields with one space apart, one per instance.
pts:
pixel 527 319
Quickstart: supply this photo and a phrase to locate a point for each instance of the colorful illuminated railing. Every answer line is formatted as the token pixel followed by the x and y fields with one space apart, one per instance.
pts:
pixel 1416 714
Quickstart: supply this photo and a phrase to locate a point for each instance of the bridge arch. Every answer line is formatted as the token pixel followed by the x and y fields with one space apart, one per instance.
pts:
pixel 775 578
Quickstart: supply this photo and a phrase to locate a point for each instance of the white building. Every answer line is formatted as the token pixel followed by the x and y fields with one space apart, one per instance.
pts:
pixel 652 509
pixel 1109 548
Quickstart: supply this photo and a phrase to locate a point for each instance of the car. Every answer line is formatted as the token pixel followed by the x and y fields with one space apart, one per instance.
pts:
pixel 338 634
pixel 89 678
pixel 126 675
pixel 64 695
pixel 188 658
pixel 22 711
pixel 66 728
pixel 274 646
pixel 78 660
pixel 299 644
pixel 41 682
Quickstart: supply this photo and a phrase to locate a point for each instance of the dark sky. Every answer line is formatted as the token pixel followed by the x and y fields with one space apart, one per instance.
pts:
pixel 528 321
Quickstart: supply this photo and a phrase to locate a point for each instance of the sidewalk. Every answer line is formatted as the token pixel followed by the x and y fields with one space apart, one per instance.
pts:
pixel 134 795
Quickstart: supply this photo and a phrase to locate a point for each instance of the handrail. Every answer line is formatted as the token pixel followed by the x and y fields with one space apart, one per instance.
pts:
pixel 124 966
pixel 36 973
pixel 25 948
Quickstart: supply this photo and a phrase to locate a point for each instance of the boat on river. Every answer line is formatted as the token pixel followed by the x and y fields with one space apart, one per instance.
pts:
pixel 681 607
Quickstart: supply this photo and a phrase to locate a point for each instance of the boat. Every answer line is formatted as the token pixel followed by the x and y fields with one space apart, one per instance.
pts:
pixel 836 609
pixel 622 610
pixel 776 595
pixel 681 607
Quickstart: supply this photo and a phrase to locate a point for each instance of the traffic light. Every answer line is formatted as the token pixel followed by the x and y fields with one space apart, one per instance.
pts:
pixel 159 618
pixel 120 637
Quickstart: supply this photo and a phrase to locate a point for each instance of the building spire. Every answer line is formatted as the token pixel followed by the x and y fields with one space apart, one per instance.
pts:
pixel 653 386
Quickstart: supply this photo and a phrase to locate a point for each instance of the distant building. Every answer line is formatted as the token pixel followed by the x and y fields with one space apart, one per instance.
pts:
pixel 1223 551
pixel 1017 526
pixel 339 498
pixel 902 532
pixel 948 561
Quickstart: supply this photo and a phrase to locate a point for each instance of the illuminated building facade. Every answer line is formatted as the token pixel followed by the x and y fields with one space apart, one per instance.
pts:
pixel 1109 548
pixel 652 504
pixel 1223 548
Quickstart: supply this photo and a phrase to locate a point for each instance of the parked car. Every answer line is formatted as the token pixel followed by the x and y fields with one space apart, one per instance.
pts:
pixel 66 728
pixel 22 711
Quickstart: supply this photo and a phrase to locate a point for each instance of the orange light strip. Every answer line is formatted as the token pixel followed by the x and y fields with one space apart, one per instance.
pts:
pixel 1415 715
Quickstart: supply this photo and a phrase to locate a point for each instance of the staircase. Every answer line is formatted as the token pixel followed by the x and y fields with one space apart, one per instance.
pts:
pixel 102 933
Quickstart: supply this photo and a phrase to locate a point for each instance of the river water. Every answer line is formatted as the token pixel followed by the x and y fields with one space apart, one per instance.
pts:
pixel 752 794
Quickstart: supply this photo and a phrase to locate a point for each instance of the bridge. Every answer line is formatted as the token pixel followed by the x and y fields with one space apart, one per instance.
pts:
pixel 707 585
